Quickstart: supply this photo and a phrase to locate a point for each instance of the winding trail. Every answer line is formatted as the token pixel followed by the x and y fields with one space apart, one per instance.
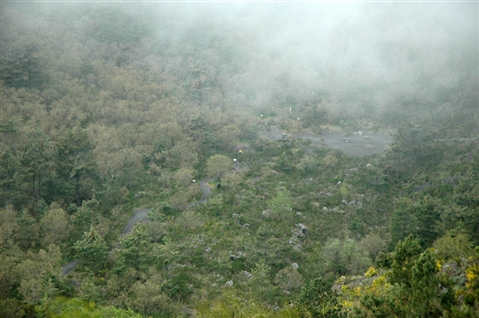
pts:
pixel 142 214
pixel 139 216
pixel 68 268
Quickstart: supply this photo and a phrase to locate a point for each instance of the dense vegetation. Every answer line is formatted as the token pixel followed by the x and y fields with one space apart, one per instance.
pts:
pixel 109 108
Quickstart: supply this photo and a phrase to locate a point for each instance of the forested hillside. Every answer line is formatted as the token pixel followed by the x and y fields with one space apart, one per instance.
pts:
pixel 119 124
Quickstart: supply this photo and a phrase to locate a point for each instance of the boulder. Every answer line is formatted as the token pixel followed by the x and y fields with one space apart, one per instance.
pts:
pixel 246 274
pixel 267 214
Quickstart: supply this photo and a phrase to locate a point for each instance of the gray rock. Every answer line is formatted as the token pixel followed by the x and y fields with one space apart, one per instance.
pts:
pixel 187 312
pixel 302 227
pixel 246 274
pixel 295 265
pixel 267 213
pixel 355 203
pixel 239 255
pixel 229 283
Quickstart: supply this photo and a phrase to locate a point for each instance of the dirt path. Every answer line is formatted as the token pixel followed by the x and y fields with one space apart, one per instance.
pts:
pixel 142 214
pixel 205 188
pixel 68 267
pixel 139 216
pixel 358 144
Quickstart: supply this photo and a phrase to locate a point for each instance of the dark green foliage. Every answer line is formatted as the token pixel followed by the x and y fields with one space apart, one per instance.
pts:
pixel 76 163
pixel 343 257
pixel 9 179
pixel 37 162
pixel 112 108
pixel 179 286
pixel 28 231
pixel 427 216
pixel 403 258
pixel 22 64
pixel 92 250
pixel 84 218
pixel 404 221
pixel 424 285
pixel 383 260
pixel 318 300
pixel 135 251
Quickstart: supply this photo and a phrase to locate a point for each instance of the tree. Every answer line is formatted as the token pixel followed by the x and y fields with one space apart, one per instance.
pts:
pixel 404 256
pixel 9 168
pixel 372 245
pixel 28 232
pixel 404 221
pixel 344 257
pixel 22 64
pixel 424 285
pixel 55 226
pixel 92 249
pixel 39 275
pixel 427 217
pixel 37 162
pixel 8 227
pixel 260 282
pixel 281 204
pixel 83 217
pixel 75 160
pixel 288 279
pixel 229 135
pixel 232 181
pixel 318 300
pixel 453 245
pixel 148 299
pixel 183 154
pixel 156 225
pixel 135 251
pixel 184 176
pixel 218 165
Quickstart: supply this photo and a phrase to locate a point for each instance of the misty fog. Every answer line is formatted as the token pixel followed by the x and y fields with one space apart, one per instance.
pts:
pixel 365 57
pixel 362 56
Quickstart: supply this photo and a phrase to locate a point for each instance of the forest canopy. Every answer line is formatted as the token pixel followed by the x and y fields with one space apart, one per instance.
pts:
pixel 120 121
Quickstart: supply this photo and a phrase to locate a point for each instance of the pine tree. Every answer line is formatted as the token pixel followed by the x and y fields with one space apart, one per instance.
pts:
pixel 424 285
pixel 92 249
pixel 404 256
